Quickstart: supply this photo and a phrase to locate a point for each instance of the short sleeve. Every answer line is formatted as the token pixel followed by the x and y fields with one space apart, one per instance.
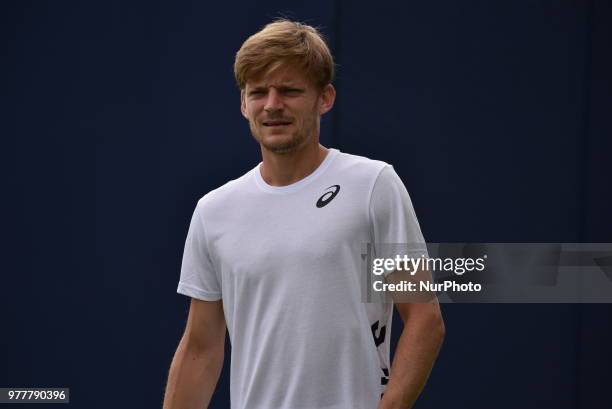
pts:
pixel 395 227
pixel 198 278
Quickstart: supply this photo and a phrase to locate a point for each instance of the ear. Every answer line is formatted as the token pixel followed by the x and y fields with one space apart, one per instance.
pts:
pixel 243 103
pixel 327 98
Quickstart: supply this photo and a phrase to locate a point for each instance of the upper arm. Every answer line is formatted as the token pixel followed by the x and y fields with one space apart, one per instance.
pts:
pixel 427 311
pixel 418 305
pixel 422 311
pixel 199 277
pixel 396 232
pixel 205 325
pixel 394 224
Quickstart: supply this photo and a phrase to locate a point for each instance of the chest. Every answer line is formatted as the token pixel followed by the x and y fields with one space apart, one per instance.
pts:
pixel 279 234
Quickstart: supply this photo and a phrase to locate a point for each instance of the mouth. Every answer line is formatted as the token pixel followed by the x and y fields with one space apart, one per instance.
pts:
pixel 276 124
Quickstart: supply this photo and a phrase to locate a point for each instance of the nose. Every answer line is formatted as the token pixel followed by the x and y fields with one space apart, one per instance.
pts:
pixel 274 101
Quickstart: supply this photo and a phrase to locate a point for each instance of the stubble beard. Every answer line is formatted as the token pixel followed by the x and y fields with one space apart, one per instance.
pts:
pixel 298 139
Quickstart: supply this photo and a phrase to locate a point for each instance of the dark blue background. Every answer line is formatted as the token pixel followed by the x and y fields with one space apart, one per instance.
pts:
pixel 118 116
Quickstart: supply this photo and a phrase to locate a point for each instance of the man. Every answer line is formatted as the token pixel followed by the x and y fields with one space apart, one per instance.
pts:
pixel 271 255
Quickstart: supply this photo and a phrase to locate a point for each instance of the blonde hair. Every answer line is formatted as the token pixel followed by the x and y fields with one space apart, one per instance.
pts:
pixel 285 42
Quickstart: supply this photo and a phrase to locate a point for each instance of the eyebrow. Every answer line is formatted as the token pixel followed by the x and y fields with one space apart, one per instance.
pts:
pixel 284 86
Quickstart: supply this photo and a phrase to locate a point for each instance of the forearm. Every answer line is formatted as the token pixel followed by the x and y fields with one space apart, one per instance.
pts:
pixel 193 376
pixel 414 357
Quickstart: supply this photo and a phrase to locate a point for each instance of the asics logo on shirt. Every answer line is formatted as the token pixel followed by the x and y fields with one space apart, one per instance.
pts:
pixel 328 196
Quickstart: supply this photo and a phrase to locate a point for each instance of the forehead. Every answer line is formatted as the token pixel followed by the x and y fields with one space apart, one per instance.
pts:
pixel 283 75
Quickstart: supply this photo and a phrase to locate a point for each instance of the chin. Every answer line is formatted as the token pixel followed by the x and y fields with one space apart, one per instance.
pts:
pixel 283 145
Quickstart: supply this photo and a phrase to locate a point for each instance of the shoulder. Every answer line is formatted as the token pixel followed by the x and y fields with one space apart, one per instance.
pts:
pixel 360 166
pixel 233 192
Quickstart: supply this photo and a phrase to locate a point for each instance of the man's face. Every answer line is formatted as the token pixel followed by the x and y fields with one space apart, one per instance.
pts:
pixel 284 109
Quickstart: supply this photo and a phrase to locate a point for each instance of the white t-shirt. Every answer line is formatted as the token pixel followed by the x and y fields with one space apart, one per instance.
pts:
pixel 286 261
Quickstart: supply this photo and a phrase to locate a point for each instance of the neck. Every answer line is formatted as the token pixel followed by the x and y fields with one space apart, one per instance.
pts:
pixel 282 169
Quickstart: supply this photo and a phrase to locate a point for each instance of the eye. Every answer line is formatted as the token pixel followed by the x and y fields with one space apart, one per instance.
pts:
pixel 292 91
pixel 256 93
